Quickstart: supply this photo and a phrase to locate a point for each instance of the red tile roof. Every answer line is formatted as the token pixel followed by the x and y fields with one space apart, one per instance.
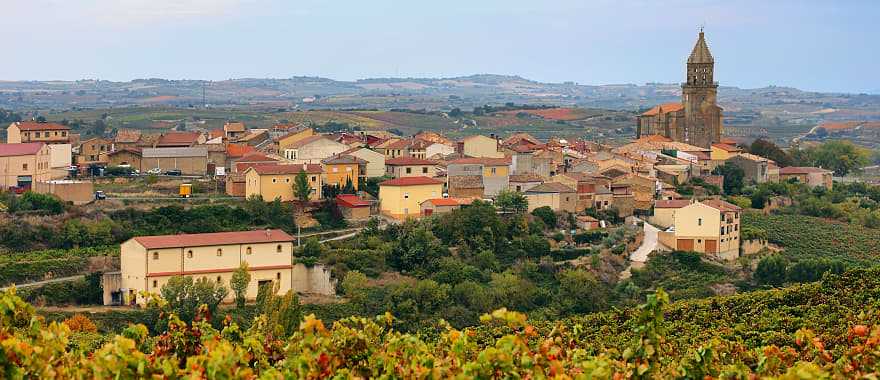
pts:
pixel 444 202
pixel 239 150
pixel 726 147
pixel 721 205
pixel 286 169
pixel 178 139
pixel 9 150
pixel 551 187
pixel 411 181
pixel 400 161
pixel 675 203
pixel 802 170
pixel 664 108
pixel 341 159
pixel 351 201
pixel 35 126
pixel 217 238
pixel 483 161
pixel 234 127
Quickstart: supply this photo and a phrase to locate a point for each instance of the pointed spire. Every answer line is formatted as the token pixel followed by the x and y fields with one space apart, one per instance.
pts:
pixel 701 53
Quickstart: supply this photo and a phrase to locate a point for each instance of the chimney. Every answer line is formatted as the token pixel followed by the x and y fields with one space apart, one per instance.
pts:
pixel 268 233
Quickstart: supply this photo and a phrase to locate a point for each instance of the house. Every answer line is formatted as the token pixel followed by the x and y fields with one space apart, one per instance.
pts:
pixel 216 158
pixel 125 157
pixel 190 161
pixel 436 149
pixel 375 166
pixel 312 149
pixel 710 226
pixel 276 181
pixel 603 199
pixel 522 182
pixel 586 222
pixel 723 152
pixel 353 207
pixel 553 194
pixel 443 205
pixel 180 140
pixel 811 176
pixel 524 161
pixel 465 186
pixel 293 136
pixel 586 185
pixel 401 167
pixel 642 188
pixel 258 138
pixel 495 172
pixel 30 131
pixel 401 198
pixel 623 199
pixel 236 185
pixel 239 165
pixel 342 168
pixel 126 138
pixel 22 164
pixel 755 168
pixel 93 151
pixel 664 211
pixel 479 146
pixel 234 130
pixel 434 137
pixel 148 262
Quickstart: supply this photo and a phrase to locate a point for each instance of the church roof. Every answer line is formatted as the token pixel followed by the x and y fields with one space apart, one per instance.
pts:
pixel 701 53
pixel 664 108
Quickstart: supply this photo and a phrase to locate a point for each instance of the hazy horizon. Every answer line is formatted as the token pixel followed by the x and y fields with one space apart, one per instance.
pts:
pixel 809 45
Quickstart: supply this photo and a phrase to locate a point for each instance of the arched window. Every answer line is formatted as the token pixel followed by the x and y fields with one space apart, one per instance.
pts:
pixel 189 254
pixel 278 248
pixel 278 275
pixel 155 255
pixel 219 280
pixel 219 252
pixel 155 284
pixel 248 250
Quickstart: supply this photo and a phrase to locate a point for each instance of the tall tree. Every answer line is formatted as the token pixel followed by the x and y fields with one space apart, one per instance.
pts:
pixel 512 201
pixel 301 188
pixel 239 283
pixel 733 177
pixel 770 150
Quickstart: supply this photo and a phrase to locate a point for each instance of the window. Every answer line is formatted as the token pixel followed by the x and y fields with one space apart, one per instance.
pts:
pixel 23 166
pixel 287 180
pixel 248 250
pixel 518 188
pixel 736 227
pixel 408 170
pixel 63 134
pixel 493 170
pixel 699 221
pixel 189 254
pixel 219 280
pixel 425 170
pixel 155 284
pixel 278 248
pixel 273 180
pixel 219 252
pixel 278 275
pixel 335 169
pixel 405 195
pixel 155 255
pixel 314 178
pixel 699 240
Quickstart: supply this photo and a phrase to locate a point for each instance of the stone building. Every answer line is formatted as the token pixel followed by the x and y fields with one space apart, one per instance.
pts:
pixel 697 119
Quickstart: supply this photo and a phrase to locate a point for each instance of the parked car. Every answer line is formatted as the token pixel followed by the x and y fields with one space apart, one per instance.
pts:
pixel 174 172
pixel 154 171
pixel 99 195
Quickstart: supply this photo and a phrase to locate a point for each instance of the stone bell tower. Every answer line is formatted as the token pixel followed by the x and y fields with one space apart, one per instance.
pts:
pixel 702 124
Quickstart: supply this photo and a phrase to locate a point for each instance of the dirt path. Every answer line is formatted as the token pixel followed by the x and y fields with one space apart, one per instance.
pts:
pixel 44 282
pixel 638 257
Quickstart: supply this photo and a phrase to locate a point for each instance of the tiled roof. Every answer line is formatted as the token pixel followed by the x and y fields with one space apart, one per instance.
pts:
pixel 802 170
pixel 410 181
pixel 343 159
pixel 127 136
pixel 516 138
pixel 255 157
pixel 721 205
pixel 9 150
pixel 178 138
pixel 465 182
pixel 400 161
pixel 701 53
pixel 675 203
pixel 174 152
pixel 726 147
pixel 35 126
pixel 217 238
pixel 351 201
pixel 309 140
pixel 443 202
pixel 269 169
pixel 234 127
pixel 239 150
pixel 487 161
pixel 752 157
pixel 551 187
pixel 527 177
pixel 664 108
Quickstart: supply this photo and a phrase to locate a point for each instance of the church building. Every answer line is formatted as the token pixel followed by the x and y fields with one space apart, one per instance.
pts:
pixel 696 120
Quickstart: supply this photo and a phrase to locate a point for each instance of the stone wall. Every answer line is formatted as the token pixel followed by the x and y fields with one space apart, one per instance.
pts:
pixel 750 247
pixel 313 279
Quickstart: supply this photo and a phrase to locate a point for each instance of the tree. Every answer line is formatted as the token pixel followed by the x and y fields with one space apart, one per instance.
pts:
pixel 301 187
pixel 842 157
pixel 416 248
pixel 239 283
pixel 512 201
pixel 580 292
pixel 733 177
pixel 184 296
pixel 771 270
pixel 547 215
pixel 282 313
pixel 770 150
pixel 312 248
pixel 348 188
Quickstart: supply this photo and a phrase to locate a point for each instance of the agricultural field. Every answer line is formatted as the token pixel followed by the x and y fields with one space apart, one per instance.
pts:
pixel 806 237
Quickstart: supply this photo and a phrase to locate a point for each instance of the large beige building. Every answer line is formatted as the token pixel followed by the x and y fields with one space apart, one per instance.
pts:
pixel 312 149
pixel 401 198
pixel 29 131
pixel 710 226
pixel 148 262
pixel 554 195
pixel 190 161
pixel 273 181
pixel 480 146
pixel 24 164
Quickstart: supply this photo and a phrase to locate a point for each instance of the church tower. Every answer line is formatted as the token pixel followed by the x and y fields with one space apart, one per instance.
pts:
pixel 702 124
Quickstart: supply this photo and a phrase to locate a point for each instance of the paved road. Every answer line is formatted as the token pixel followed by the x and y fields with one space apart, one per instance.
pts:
pixel 649 244
pixel 44 282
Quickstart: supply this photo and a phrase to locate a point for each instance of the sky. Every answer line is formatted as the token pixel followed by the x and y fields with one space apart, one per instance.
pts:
pixel 812 45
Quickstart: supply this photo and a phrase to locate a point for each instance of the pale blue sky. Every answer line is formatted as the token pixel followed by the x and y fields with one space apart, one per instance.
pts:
pixel 814 45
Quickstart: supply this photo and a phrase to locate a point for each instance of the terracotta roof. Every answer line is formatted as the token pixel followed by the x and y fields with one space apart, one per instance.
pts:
pixel 701 53
pixel 701 155
pixel 127 136
pixel 487 161
pixel 234 127
pixel 400 161
pixel 136 151
pixel 178 138
pixel 802 170
pixel 465 182
pixel 410 181
pixel 516 138
pixel 523 148
pixel 217 238
pixel 174 152
pixel 727 147
pixel 269 169
pixel 586 218
pixel 309 140
pixel 351 201
pixel 35 126
pixel 443 202
pixel 399 144
pixel 752 157
pixel 721 205
pixel 215 133
pixel 9 150
pixel 675 203
pixel 239 150
pixel 664 108
pixel 551 187
pixel 527 177
pixel 343 159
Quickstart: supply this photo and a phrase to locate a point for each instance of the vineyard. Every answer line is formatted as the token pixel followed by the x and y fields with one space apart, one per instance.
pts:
pixel 20 267
pixel 820 330
pixel 805 237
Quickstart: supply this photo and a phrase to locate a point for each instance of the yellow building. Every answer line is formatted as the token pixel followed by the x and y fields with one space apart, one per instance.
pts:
pixel 410 167
pixel 721 152
pixel 277 181
pixel 710 226
pixel 23 165
pixel 284 142
pixel 480 146
pixel 342 168
pixel 664 211
pixel 554 195
pixel 148 262
pixel 29 131
pixel 401 198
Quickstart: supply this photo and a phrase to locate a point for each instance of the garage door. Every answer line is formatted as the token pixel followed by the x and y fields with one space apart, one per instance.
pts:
pixel 712 246
pixel 685 244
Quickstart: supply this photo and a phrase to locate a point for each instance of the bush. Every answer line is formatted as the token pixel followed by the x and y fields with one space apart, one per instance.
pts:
pixel 547 215
pixel 590 237
pixel 771 270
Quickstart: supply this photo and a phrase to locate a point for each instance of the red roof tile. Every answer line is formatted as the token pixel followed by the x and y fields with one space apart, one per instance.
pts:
pixel 664 108
pixel 444 202
pixel 802 170
pixel 726 147
pixel 35 126
pixel 9 150
pixel 400 161
pixel 411 181
pixel 351 201
pixel 178 138
pixel 675 203
pixel 217 238
pixel 286 169
pixel 721 205
pixel 238 150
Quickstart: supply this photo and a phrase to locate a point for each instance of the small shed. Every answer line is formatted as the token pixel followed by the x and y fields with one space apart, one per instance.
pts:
pixel 353 207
